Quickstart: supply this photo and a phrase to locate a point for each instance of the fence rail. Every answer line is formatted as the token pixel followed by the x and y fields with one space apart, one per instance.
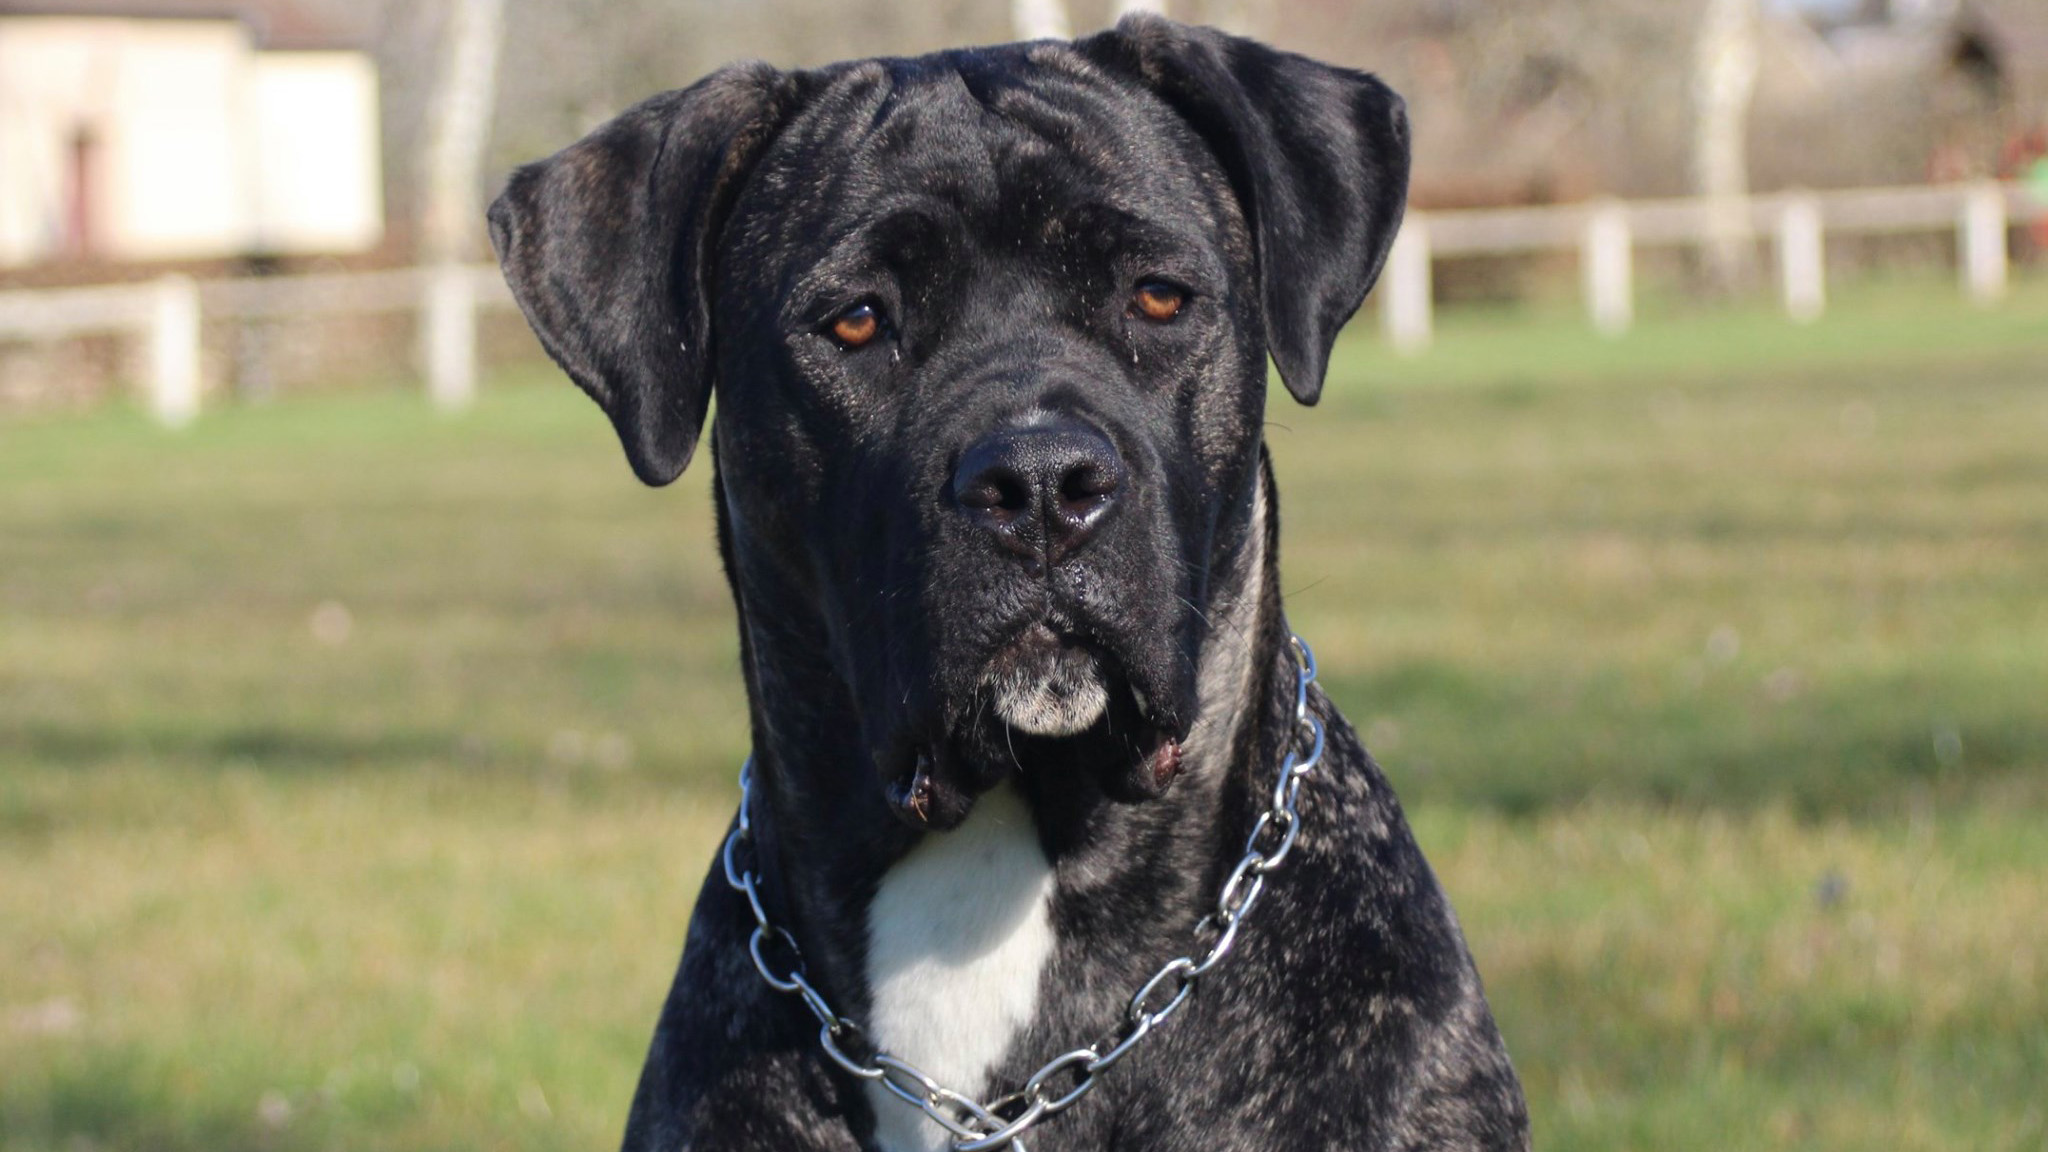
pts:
pixel 165 315
pixel 1606 234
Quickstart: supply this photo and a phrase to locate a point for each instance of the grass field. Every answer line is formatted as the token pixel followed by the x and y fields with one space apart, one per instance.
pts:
pixel 357 766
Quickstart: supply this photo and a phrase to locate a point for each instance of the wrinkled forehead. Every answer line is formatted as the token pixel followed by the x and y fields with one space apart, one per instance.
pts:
pixel 1019 138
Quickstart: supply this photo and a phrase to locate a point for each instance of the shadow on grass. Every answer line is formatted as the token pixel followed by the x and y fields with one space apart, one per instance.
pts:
pixel 267 747
pixel 1750 1067
pixel 113 1100
pixel 1445 733
pixel 120 1099
pixel 1874 747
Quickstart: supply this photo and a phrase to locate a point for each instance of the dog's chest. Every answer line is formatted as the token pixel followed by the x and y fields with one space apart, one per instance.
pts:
pixel 958 936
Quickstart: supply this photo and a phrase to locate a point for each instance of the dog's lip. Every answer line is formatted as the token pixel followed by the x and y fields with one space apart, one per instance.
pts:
pixel 1055 630
pixel 927 797
pixel 933 769
pixel 1152 749
pixel 1052 633
pixel 1130 752
pixel 932 783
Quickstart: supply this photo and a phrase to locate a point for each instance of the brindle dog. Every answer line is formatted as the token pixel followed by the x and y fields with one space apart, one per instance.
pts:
pixel 989 332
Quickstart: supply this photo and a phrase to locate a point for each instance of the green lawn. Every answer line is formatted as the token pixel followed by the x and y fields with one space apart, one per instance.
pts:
pixel 358 765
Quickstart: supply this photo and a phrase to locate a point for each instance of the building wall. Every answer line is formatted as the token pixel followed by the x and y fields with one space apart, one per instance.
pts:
pixel 313 122
pixel 189 142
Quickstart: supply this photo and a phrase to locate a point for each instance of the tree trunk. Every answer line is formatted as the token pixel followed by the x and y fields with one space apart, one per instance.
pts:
pixel 1040 19
pixel 1252 18
pixel 1724 79
pixel 459 124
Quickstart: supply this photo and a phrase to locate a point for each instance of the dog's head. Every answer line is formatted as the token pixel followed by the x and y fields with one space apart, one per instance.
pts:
pixel 989 333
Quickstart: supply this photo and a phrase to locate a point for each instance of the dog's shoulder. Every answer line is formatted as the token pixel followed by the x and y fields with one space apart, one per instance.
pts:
pixel 1358 890
pixel 726 1043
pixel 1362 961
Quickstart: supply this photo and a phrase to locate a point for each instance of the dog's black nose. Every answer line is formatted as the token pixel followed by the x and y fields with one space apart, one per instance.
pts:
pixel 1041 489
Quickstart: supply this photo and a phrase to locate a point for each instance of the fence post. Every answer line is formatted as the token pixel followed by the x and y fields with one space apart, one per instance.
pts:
pixel 1983 242
pixel 174 351
pixel 1606 259
pixel 448 333
pixel 1802 259
pixel 1405 289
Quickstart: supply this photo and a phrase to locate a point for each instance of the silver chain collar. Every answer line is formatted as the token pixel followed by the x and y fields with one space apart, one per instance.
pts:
pixel 978 1126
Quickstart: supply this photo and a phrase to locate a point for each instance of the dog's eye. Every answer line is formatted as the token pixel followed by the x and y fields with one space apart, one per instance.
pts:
pixel 857 326
pixel 1157 301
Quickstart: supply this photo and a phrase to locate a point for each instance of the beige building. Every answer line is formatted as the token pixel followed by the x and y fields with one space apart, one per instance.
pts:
pixel 160 131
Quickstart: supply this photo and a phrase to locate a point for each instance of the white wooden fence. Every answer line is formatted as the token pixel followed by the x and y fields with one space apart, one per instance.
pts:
pixel 165 315
pixel 1606 234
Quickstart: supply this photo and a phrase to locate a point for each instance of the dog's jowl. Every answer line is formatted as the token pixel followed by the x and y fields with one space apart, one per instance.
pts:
pixel 989 333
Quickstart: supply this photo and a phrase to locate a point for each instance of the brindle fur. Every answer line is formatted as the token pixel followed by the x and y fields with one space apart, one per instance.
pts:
pixel 998 204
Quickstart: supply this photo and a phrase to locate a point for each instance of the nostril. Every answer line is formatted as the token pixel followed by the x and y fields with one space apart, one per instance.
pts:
pixel 999 492
pixel 1090 480
pixel 1087 486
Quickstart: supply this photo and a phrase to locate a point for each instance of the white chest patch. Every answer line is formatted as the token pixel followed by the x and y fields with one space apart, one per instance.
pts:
pixel 958 934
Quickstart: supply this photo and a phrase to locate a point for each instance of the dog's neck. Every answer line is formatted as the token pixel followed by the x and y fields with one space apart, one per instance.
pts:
pixel 827 836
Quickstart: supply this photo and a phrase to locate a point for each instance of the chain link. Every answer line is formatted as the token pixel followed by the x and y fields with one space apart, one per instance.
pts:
pixel 979 1127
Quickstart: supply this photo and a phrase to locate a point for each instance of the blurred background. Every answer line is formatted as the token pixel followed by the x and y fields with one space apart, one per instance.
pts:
pixel 1673 528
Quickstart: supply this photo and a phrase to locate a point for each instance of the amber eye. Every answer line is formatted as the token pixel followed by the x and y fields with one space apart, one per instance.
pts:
pixel 857 326
pixel 1157 301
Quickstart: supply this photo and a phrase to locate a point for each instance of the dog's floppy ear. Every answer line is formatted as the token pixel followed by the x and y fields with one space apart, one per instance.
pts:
pixel 1318 157
pixel 608 247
